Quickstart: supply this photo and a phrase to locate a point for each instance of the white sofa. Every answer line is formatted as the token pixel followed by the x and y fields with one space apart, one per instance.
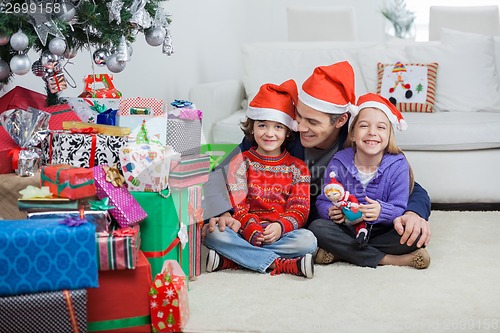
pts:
pixel 454 151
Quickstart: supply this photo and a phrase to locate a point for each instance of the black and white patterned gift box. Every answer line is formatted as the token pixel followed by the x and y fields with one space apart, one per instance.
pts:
pixel 184 131
pixel 58 311
pixel 82 150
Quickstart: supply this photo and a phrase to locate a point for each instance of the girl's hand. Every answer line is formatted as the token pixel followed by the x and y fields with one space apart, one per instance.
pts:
pixel 371 210
pixel 272 233
pixel 336 215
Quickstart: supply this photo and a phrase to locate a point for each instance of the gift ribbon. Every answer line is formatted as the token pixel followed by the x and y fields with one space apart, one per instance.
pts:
pixel 71 221
pixel 197 214
pixel 14 153
pixel 113 175
pixel 125 232
pixel 99 108
pixel 179 103
pixel 31 192
pixel 71 311
pixel 159 254
pixel 102 204
pixel 107 325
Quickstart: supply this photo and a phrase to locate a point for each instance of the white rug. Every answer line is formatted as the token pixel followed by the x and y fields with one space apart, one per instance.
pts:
pixel 460 291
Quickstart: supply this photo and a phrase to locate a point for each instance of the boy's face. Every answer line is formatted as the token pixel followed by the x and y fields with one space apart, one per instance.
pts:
pixel 315 127
pixel 269 136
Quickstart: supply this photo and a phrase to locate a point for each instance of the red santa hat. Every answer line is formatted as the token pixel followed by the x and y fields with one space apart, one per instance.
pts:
pixel 371 100
pixel 330 89
pixel 334 184
pixel 276 103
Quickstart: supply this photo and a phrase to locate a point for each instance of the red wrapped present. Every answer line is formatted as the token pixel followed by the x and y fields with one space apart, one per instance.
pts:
pixel 59 114
pixel 110 183
pixel 121 303
pixel 22 98
pixel 7 149
pixel 168 299
pixel 67 181
pixel 118 249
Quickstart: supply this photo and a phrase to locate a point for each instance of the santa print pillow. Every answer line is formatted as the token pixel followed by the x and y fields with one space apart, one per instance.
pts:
pixel 411 87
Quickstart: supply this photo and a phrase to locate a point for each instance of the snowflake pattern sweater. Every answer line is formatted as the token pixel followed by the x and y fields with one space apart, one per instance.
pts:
pixel 265 189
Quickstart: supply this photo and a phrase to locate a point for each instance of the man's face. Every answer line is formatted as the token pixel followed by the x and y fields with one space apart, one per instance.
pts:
pixel 315 128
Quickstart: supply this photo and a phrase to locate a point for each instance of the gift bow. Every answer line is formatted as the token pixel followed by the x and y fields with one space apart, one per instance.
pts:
pixel 125 232
pixel 100 204
pixel 196 213
pixel 99 108
pixel 73 221
pixel 113 175
pixel 179 103
pixel 86 130
pixel 31 192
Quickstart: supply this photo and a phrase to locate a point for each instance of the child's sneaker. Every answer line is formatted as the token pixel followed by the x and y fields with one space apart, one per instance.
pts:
pixel 301 266
pixel 216 262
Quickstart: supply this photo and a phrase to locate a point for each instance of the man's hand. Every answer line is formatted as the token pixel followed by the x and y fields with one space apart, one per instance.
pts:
pixel 272 233
pixel 410 226
pixel 223 221
pixel 336 215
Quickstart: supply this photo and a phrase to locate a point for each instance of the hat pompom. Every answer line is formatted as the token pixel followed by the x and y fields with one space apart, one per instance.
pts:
pixel 403 125
pixel 332 174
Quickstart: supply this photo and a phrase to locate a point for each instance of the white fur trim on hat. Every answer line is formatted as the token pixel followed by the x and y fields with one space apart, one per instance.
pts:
pixel 321 105
pixel 273 115
pixel 388 112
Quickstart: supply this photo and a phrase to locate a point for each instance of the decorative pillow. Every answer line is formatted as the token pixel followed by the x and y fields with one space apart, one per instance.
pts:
pixel 411 87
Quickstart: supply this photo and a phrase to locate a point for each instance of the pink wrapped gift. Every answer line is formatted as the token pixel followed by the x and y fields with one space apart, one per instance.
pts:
pixel 110 183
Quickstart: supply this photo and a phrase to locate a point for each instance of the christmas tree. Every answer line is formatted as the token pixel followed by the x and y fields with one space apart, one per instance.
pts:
pixel 59 29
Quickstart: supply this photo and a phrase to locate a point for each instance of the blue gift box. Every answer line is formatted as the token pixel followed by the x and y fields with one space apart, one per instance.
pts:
pixel 100 218
pixel 44 255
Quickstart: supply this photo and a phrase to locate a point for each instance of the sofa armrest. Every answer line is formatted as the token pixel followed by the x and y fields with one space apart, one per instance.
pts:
pixel 218 100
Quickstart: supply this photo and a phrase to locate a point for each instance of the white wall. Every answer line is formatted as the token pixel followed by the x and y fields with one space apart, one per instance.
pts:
pixel 206 36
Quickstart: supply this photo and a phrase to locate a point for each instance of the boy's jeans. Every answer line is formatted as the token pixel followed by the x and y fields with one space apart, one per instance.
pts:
pixel 231 245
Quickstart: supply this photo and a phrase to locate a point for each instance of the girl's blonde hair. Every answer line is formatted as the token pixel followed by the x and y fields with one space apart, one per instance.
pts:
pixel 392 147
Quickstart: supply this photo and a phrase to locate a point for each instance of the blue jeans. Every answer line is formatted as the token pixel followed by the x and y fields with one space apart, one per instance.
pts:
pixel 231 245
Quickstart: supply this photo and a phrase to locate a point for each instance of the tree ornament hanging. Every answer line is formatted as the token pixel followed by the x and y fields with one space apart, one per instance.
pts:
pixel 57 46
pixel 100 56
pixel 20 64
pixel 70 52
pixel 37 68
pixel 4 39
pixel 19 41
pixel 50 61
pixel 155 36
pixel 114 8
pixel 114 65
pixel 4 70
pixel 122 53
pixel 67 11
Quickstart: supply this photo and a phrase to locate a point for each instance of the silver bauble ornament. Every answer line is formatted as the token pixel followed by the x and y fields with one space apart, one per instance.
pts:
pixel 70 52
pixel 100 56
pixel 4 39
pixel 50 60
pixel 67 12
pixel 20 64
pixel 57 46
pixel 19 41
pixel 155 36
pixel 37 68
pixel 122 51
pixel 4 70
pixel 114 65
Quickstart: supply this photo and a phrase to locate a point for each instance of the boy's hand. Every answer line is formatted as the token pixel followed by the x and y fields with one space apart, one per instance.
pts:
pixel 272 233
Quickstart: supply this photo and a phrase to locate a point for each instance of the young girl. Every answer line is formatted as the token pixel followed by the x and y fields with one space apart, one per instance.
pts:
pixel 374 169
pixel 269 192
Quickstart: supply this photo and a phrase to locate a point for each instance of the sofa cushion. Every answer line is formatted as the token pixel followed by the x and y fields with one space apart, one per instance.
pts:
pixel 228 129
pixel 412 86
pixel 450 131
pixel 278 62
pixel 467 80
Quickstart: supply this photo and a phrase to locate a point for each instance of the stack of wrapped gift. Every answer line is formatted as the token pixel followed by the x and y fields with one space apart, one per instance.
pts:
pixel 47 265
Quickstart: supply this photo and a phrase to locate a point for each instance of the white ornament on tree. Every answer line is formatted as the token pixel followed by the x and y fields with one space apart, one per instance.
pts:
pixel 20 64
pixel 155 36
pixel 114 65
pixel 19 41
pixel 57 46
pixel 122 53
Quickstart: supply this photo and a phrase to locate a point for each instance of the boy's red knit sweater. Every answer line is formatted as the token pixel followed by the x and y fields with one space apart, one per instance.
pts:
pixel 266 189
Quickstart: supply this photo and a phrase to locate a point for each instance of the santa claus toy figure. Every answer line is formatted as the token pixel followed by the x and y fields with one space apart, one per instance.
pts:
pixel 348 204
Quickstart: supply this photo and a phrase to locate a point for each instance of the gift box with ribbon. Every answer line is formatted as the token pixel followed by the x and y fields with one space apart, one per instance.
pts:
pixel 67 181
pixel 189 170
pixel 82 148
pixel 100 218
pixel 88 109
pixel 118 248
pixel 121 303
pixel 110 183
pixel 57 311
pixel 146 163
pixel 184 130
pixel 168 299
pixel 165 233
pixel 46 255
pixel 195 215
